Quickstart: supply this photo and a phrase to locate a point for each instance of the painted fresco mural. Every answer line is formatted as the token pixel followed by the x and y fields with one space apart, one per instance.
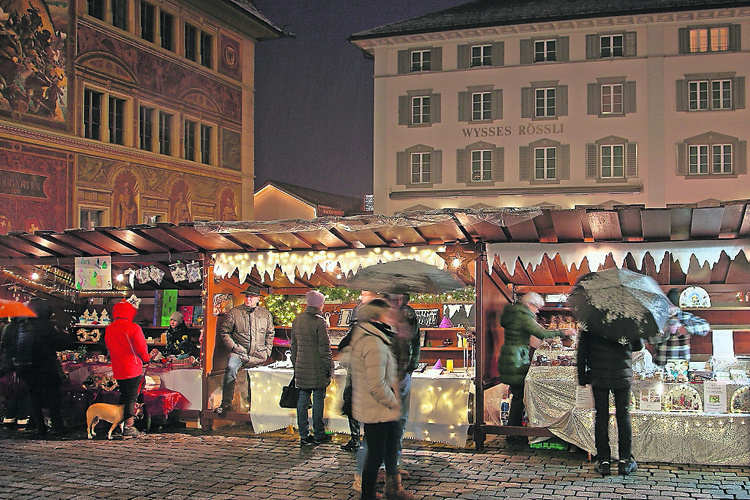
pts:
pixel 33 188
pixel 125 196
pixel 33 80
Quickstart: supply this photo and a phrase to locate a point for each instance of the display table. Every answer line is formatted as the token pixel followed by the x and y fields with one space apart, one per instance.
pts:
pixel 438 411
pixel 672 437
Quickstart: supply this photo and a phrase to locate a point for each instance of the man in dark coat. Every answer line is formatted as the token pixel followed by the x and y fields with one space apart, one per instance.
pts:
pixel 606 366
pixel 313 367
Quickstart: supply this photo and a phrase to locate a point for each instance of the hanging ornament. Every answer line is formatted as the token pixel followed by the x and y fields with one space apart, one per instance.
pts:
pixel 193 272
pixel 156 274
pixel 143 275
pixel 179 273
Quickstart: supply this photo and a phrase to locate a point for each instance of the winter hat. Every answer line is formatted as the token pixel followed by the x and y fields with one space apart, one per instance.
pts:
pixel 177 316
pixel 315 299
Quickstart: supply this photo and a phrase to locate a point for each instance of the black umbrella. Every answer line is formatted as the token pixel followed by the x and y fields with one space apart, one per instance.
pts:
pixel 620 305
pixel 404 276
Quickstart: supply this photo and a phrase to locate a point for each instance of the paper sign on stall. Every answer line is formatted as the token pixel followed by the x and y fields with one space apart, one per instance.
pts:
pixel 650 396
pixel 714 396
pixel 584 397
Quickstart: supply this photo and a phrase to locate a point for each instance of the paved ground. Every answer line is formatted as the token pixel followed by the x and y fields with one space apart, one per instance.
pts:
pixel 233 463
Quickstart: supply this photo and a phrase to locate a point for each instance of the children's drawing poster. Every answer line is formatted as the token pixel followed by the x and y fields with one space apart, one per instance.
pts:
pixel 93 273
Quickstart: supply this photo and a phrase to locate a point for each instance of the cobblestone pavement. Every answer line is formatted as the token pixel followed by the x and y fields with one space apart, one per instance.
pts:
pixel 233 463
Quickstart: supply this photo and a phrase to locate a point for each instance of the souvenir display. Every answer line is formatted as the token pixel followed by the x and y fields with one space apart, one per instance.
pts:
pixel 156 274
pixel 179 272
pixel 694 296
pixel 740 402
pixel 683 398
pixel 142 275
pixel 193 272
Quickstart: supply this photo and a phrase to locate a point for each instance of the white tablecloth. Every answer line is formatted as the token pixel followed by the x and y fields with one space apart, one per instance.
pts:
pixel 438 410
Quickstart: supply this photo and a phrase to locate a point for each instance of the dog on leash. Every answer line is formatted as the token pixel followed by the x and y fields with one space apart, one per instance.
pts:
pixel 114 414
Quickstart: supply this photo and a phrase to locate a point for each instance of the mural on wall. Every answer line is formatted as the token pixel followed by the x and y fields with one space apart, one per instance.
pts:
pixel 33 80
pixel 179 203
pixel 229 62
pixel 228 205
pixel 125 196
pixel 33 188
pixel 231 142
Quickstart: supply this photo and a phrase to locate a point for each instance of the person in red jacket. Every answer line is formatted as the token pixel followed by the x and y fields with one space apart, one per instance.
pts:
pixel 128 352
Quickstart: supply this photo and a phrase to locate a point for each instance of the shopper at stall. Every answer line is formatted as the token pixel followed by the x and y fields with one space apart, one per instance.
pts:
pixel 128 353
pixel 519 323
pixel 681 326
pixel 248 333
pixel 606 366
pixel 181 342
pixel 17 406
pixel 313 367
pixel 375 394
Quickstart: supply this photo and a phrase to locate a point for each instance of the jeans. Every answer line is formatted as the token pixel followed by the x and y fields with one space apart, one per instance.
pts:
pixel 234 363
pixel 303 424
pixel 515 414
pixel 601 424
pixel 129 389
pixel 382 441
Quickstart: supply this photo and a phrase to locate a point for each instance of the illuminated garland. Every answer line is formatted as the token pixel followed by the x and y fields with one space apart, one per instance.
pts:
pixel 283 308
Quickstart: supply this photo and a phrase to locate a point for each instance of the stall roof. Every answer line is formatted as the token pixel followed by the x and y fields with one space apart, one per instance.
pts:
pixel 166 243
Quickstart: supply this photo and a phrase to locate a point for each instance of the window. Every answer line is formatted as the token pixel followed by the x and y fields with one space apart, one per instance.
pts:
pixel 206 49
pixel 165 133
pixel 608 45
pixel 190 127
pixel 712 153
pixel 148 21
pixel 146 128
pixel 419 166
pixel 705 39
pixel 205 146
pixel 120 14
pixel 611 159
pixel 198 142
pixel 611 46
pixel 96 8
pixel 545 50
pixel 481 55
pixel 718 162
pixel 152 219
pixel 611 97
pixel 545 163
pixel 191 39
pixel 481 106
pixel 711 92
pixel 91 218
pixel 481 165
pixel 166 30
pixel 198 46
pixel 420 108
pixel 92 114
pixel 544 100
pixel 418 60
pixel 116 120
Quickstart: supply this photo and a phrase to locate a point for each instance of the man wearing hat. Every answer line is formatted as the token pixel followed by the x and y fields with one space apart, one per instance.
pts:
pixel 248 333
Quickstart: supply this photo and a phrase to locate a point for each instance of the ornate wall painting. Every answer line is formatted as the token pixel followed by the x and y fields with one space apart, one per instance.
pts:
pixel 230 58
pixel 179 203
pixel 231 156
pixel 33 79
pixel 228 205
pixel 125 200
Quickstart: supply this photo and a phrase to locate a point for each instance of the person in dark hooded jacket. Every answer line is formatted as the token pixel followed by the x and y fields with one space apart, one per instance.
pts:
pixel 37 364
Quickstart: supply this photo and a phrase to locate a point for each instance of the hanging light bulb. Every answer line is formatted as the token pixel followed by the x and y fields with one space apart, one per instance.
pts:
pixel 35 275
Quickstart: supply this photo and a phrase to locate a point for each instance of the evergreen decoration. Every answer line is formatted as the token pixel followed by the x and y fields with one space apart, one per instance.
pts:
pixel 283 308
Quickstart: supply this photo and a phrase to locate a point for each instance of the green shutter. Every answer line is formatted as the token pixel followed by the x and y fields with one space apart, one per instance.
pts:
pixel 464 106
pixel 464 56
pixel 740 160
pixel 497 104
pixel 631 44
pixel 437 167
pixel 404 110
pixel 592 161
pixel 563 48
pixel 462 166
pixel 525 172
pixel 629 99
pixel 739 92
pixel 434 108
pixel 683 36
pixel 682 95
pixel 498 164
pixel 527 52
pixel 527 102
pixel 437 58
pixel 402 168
pixel 592 47
pixel 498 54
pixel 682 159
pixel 735 42
pixel 631 160
pixel 564 172
pixel 593 99
pixel 403 62
pixel 562 100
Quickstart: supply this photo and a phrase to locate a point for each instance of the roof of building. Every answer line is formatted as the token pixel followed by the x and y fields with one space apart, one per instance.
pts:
pixel 484 13
pixel 348 204
pixel 268 31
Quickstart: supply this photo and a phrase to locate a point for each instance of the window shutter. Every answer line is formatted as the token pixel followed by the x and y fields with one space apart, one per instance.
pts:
pixel 739 92
pixel 631 160
pixel 562 100
pixel 740 160
pixel 630 41
pixel 564 48
pixel 682 95
pixel 498 165
pixel 683 37
pixel 498 54
pixel 402 169
pixel 629 99
pixel 404 110
pixel 593 99
pixel 436 175
pixel 437 58
pixel 592 161
pixel 592 47
pixel 564 172
pixel 527 102
pixel 434 108
pixel 462 166
pixel 735 42
pixel 682 159
pixel 524 160
pixel 464 106
pixel 497 104
pixel 464 56
pixel 403 62
pixel 527 52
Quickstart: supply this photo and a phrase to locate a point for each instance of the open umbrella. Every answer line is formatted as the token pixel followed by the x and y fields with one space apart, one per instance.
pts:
pixel 621 305
pixel 404 276
pixel 13 309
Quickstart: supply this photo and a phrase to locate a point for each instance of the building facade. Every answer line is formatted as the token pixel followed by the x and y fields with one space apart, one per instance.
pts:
pixel 496 104
pixel 123 112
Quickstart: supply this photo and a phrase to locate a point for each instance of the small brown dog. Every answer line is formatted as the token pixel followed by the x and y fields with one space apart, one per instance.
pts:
pixel 113 414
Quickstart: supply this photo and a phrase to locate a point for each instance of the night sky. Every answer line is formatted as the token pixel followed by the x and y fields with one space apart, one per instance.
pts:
pixel 314 93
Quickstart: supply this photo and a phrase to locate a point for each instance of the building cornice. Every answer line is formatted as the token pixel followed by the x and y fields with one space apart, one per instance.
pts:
pixel 615 189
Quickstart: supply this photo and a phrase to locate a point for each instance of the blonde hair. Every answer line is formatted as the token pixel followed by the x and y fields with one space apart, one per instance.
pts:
pixel 532 298
pixel 373 310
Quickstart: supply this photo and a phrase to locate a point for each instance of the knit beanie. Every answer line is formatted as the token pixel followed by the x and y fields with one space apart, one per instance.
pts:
pixel 315 299
pixel 177 316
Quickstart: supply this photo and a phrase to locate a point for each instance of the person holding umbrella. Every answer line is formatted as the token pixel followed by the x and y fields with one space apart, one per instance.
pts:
pixel 519 322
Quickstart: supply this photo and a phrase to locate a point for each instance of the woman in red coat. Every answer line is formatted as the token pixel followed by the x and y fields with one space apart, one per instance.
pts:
pixel 128 352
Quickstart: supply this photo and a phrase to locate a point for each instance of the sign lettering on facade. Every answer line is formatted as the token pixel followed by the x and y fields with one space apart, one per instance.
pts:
pixel 20 184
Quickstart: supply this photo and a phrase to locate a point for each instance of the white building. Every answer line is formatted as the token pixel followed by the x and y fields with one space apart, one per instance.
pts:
pixel 520 103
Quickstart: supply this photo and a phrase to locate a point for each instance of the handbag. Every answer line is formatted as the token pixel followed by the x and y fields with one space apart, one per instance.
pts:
pixel 12 386
pixel 289 395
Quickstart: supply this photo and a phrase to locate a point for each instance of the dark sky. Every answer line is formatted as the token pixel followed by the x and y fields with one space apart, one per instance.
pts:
pixel 314 93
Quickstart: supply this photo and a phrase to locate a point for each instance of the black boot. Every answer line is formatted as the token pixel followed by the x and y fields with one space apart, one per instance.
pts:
pixel 603 467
